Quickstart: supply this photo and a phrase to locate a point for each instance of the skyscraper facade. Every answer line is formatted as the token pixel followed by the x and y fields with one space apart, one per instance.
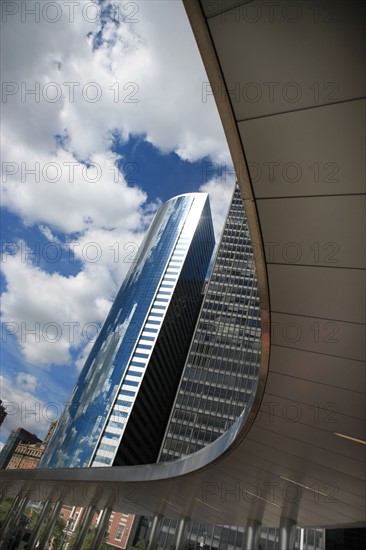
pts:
pixel 3 413
pixel 220 377
pixel 121 403
pixel 221 371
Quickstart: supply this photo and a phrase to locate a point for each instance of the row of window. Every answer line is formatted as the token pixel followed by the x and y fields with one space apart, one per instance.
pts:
pixel 221 372
pixel 116 423
pixel 214 537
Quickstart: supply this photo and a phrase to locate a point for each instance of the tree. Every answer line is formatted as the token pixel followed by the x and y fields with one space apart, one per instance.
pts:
pixel 57 534
pixel 4 508
pixel 140 545
pixel 87 542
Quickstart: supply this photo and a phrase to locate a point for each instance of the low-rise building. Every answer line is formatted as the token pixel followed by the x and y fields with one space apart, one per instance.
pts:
pixel 118 529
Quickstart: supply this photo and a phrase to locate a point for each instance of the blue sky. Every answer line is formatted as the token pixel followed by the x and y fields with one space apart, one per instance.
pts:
pixel 103 121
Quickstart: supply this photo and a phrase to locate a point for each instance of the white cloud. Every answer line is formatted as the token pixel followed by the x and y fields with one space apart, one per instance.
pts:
pixel 79 363
pixel 146 81
pixel 150 82
pixel 26 381
pixel 51 314
pixel 60 308
pixel 67 195
pixel 46 231
pixel 220 193
pixel 24 408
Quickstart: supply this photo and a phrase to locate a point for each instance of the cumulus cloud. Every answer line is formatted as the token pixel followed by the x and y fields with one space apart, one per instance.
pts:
pixel 93 80
pixel 97 80
pixel 65 311
pixel 220 191
pixel 68 195
pixel 27 381
pixel 51 314
pixel 24 408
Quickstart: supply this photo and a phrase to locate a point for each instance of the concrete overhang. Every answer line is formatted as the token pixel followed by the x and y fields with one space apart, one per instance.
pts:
pixel 289 82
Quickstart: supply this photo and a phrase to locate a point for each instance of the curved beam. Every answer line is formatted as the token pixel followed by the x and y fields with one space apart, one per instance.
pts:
pixel 302 457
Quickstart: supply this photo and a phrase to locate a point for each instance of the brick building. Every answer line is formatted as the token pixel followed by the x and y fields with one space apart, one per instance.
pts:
pixel 27 454
pixel 15 438
pixel 118 530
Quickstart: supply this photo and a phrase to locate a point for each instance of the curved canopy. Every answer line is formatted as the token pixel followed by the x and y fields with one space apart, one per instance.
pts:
pixel 289 82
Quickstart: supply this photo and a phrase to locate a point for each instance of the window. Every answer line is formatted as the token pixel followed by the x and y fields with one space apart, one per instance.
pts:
pixel 121 528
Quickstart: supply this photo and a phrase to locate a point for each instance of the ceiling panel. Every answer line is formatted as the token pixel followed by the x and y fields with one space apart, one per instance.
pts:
pixel 333 371
pixel 295 231
pixel 311 397
pixel 303 465
pixel 290 58
pixel 322 336
pixel 331 293
pixel 318 337
pixel 215 7
pixel 327 419
pixel 306 153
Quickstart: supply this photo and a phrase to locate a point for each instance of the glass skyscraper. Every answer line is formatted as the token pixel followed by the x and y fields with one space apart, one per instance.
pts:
pixel 176 362
pixel 221 371
pixel 220 377
pixel 120 405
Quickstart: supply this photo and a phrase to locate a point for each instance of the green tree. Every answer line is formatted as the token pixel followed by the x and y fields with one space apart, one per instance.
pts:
pixel 57 534
pixel 4 508
pixel 140 545
pixel 87 542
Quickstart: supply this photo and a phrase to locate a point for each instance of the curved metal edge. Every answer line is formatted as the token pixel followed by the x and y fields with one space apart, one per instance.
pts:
pixel 219 89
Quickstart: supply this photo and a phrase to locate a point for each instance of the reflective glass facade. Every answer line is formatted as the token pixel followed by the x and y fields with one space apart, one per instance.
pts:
pixel 138 346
